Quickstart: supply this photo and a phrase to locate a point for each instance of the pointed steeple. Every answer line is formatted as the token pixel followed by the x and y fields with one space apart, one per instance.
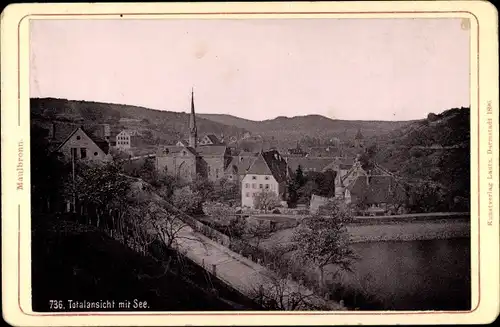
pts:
pixel 193 132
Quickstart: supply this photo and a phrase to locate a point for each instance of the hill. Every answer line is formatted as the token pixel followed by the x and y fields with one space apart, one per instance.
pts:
pixel 435 149
pixel 296 128
pixel 165 126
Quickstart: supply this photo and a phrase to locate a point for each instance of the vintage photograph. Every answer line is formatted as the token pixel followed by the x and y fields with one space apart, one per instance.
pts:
pixel 250 164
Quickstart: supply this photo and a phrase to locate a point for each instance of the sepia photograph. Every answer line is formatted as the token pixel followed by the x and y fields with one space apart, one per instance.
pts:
pixel 249 164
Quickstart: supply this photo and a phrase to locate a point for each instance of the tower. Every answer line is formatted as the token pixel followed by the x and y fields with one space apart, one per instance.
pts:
pixel 193 132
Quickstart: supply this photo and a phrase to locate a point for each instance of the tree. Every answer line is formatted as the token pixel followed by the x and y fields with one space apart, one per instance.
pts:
pixel 426 196
pixel 203 187
pixel 326 183
pixel 187 201
pixel 256 233
pixel 148 171
pixel 227 191
pixel 322 239
pixel 99 188
pixel 293 187
pixel 225 216
pixel 279 294
pixel 367 158
pixel 48 172
pixel 167 225
pixel 266 200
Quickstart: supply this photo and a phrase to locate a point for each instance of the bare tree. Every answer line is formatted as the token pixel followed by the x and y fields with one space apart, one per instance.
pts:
pixel 280 294
pixel 167 226
pixel 266 200
pixel 322 239
pixel 256 232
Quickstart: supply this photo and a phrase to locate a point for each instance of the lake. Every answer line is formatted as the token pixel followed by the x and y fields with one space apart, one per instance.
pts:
pixel 412 275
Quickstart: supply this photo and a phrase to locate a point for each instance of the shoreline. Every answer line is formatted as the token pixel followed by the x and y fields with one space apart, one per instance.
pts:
pixel 414 231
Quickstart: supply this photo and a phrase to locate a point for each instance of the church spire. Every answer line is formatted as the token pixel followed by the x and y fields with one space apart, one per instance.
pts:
pixel 193 132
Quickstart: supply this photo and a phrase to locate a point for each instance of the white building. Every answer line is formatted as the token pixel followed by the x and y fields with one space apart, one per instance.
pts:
pixel 126 139
pixel 268 172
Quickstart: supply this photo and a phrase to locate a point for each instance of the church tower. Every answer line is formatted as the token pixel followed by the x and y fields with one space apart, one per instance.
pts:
pixel 193 132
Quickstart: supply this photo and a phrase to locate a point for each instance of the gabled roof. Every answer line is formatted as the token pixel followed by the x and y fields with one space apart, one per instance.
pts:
pixel 101 143
pixel 214 139
pixel 375 189
pixel 211 150
pixel 239 164
pixel 270 163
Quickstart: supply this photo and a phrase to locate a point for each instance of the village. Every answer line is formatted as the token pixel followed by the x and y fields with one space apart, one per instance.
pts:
pixel 262 178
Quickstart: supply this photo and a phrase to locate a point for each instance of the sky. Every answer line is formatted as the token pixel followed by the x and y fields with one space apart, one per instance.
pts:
pixel 354 69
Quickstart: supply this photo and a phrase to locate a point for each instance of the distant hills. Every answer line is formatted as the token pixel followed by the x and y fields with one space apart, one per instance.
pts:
pixel 298 127
pixel 166 126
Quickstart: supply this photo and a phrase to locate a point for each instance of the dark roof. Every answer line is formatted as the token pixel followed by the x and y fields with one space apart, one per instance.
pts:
pixel 341 163
pixel 324 151
pixel 101 143
pixel 174 149
pixel 375 189
pixel 211 150
pixel 358 136
pixel 307 164
pixel 270 163
pixel 239 164
pixel 214 139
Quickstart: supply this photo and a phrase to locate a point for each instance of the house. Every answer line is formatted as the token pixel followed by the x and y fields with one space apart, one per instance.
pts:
pixel 215 159
pixel 297 151
pixel 81 145
pixel 239 165
pixel 267 172
pixel 307 164
pixel 127 139
pixel 342 166
pixel 316 202
pixel 325 152
pixel 375 194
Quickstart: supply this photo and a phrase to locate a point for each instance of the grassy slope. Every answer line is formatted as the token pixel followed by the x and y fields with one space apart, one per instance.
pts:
pixel 72 261
pixel 407 151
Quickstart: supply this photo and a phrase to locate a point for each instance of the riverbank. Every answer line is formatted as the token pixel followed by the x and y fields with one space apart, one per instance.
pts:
pixel 392 231
pixel 410 231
